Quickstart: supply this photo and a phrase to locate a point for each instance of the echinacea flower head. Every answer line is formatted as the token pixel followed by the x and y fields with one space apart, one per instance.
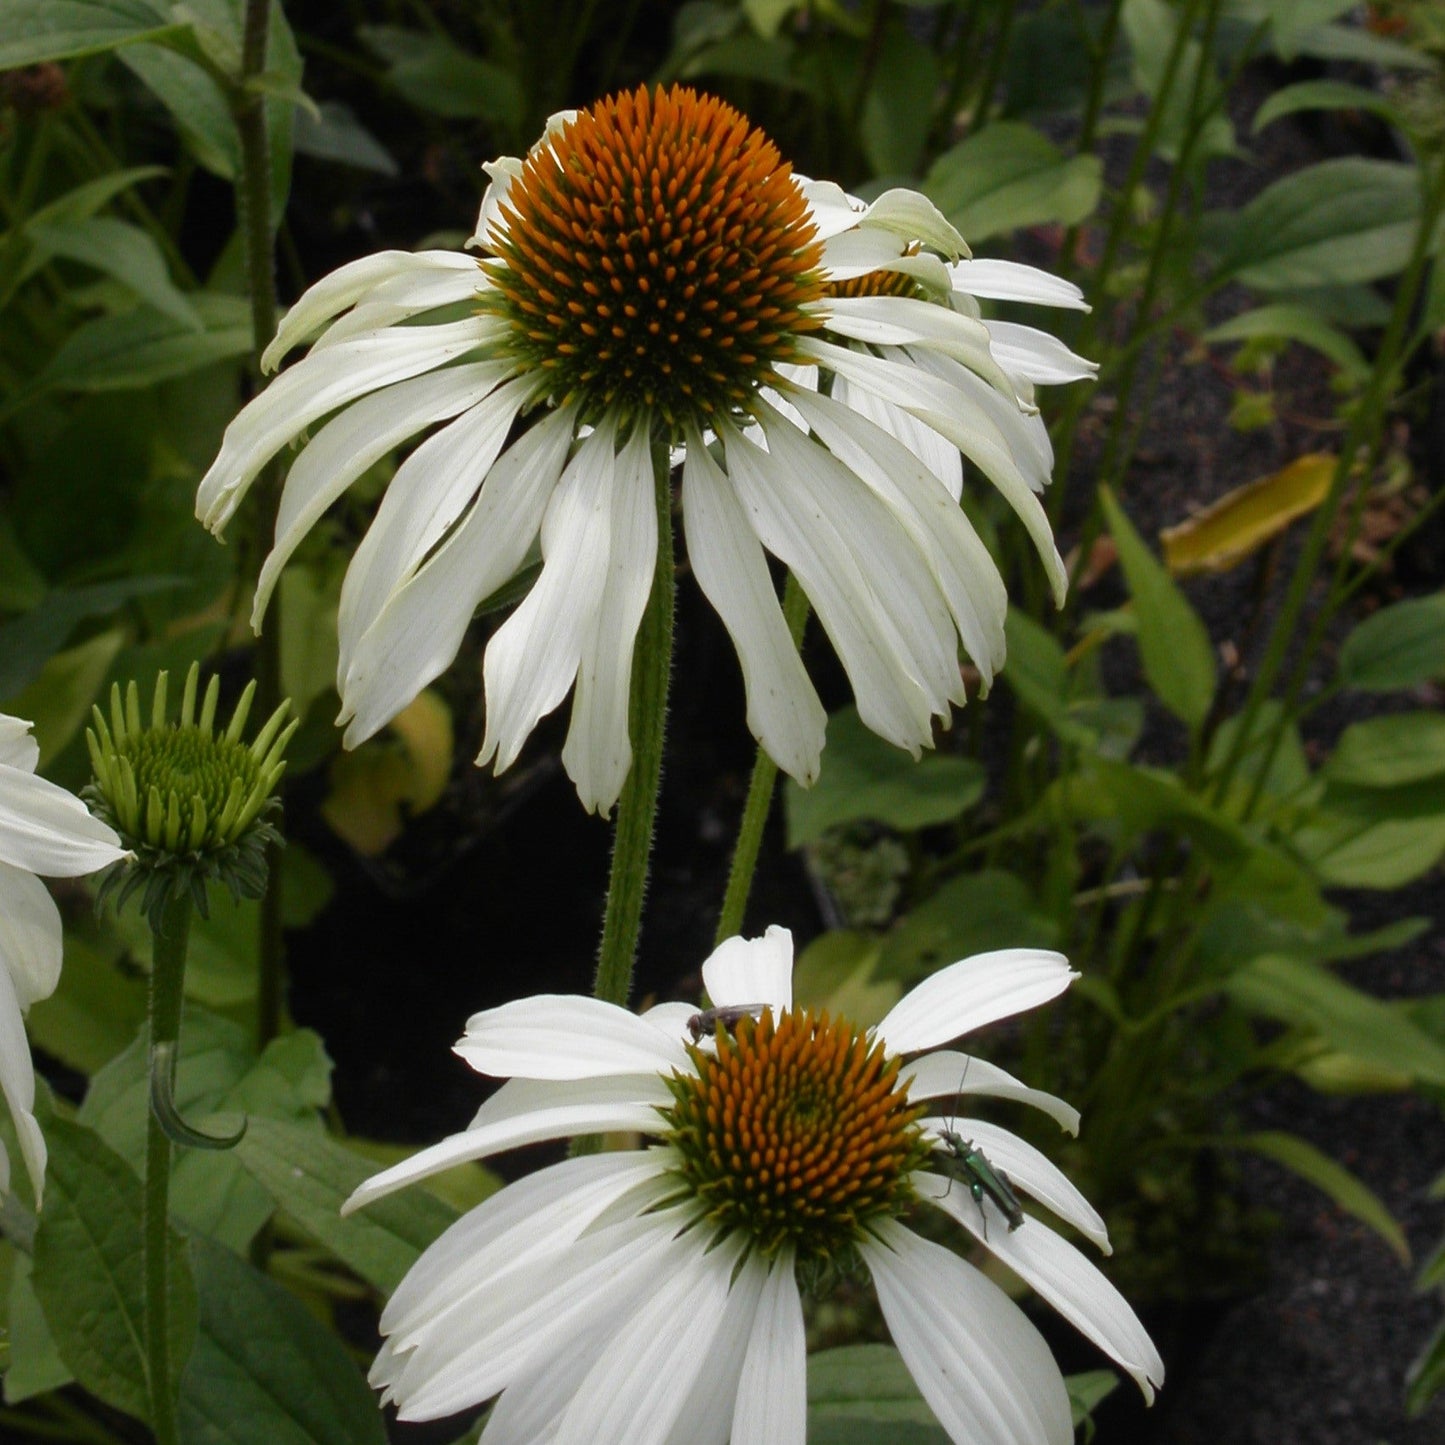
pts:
pixel 655 281
pixel 650 1295
pixel 191 800
pixel 47 831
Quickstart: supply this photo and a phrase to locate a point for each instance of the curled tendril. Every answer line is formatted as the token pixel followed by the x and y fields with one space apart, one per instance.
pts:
pixel 163 1104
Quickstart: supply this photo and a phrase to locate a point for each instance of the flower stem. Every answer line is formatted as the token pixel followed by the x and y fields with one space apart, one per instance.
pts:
pixel 637 807
pixel 760 796
pixel 168 970
pixel 253 202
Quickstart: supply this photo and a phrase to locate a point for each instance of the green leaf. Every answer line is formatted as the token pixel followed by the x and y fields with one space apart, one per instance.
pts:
pixel 1173 644
pixel 1349 853
pixel 197 104
pixel 93 1013
pixel 1400 646
pixel 1289 322
pixel 863 777
pixel 1324 95
pixel 310 1176
pixel 898 109
pixel 1332 1178
pixel 1007 176
pixel 974 913
pixel 1426 1375
pixel 218 1075
pixel 88 1270
pixel 436 75
pixel 335 134
pixel 1151 27
pixel 836 972
pixel 1385 752
pixel 1358 46
pixel 33 1366
pixel 58 702
pixel 865 1393
pixel 117 249
pixel 1343 220
pixel 1089 1390
pixel 29 642
pixel 1309 996
pixel 264 1369
pixel 139 348
pixel 36 30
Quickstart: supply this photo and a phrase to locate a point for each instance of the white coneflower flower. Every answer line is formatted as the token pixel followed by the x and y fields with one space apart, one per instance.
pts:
pixel 649 1295
pixel 657 276
pixel 43 830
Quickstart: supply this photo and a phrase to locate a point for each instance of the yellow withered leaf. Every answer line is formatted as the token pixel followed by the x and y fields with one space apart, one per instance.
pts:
pixel 1244 519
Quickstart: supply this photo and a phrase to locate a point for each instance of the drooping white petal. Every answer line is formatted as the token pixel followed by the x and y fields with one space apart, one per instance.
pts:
pixel 500 175
pixel 18 747
pixel 856 252
pixel 670 1017
pixel 743 971
pixel 960 563
pixel 1036 355
pixel 17 1082
pixel 347 285
pixel 528 1310
pixel 983 1368
pixel 830 207
pixel 911 215
pixel 46 830
pixel 635 1392
pixel 796 513
pixel 1064 1277
pixel 937 453
pixel 958 416
pixel 707 1416
pixel 566 1036
pixel 316 385
pixel 30 935
pixel 533 657
pixel 402 297
pixel 598 750
pixel 971 993
pixel 1013 281
pixel 420 626
pixel 430 490
pixel 1033 1173
pixel 784 713
pixel 356 439
pixel 948 1074
pixel 537 1397
pixel 908 321
pixel 528 1111
pixel 548 1209
pixel 772 1398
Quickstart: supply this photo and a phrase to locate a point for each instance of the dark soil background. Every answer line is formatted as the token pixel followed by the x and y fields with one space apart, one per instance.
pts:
pixel 507 879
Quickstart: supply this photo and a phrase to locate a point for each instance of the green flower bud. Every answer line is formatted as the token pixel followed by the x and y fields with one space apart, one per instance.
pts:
pixel 194 804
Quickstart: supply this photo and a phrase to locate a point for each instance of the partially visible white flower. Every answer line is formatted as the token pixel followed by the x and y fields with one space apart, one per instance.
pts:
pixel 649 1296
pixel 656 276
pixel 43 830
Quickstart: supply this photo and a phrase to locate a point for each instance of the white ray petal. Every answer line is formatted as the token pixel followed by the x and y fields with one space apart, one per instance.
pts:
pixel 784 713
pixel 1013 281
pixel 566 1036
pixel 1036 355
pixel 1074 1286
pixel 402 297
pixel 956 415
pixel 598 750
pixel 960 563
pixel 947 1074
pixel 831 208
pixel 533 657
pixel 430 490
pixel 856 252
pixel 46 830
pixel 316 385
pixel 529 1111
pixel 911 215
pixel 17 1082
pixel 983 1368
pixel 420 626
pixel 18 747
pixel 30 935
pixel 772 1398
pixel 971 993
pixel 356 439
pixel 937 453
pixel 347 285
pixel 743 971
pixel 794 518
pixel 635 1392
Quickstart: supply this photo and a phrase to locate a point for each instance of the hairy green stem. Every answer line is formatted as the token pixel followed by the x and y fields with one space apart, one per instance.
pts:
pixel 760 795
pixel 168 972
pixel 637 807
pixel 253 204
